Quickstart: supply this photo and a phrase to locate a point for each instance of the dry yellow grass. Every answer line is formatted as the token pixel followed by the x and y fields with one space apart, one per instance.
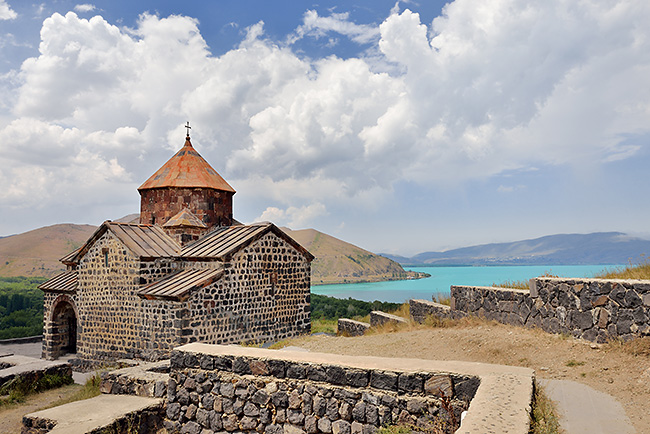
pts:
pixel 639 271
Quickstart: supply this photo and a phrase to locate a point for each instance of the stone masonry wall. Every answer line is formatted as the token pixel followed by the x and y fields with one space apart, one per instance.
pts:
pixel 591 309
pixel 275 396
pixel 263 295
pixel 110 324
pixel 212 207
pixel 162 325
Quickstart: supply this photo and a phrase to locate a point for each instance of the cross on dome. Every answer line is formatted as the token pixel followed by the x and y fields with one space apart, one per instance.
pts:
pixel 188 128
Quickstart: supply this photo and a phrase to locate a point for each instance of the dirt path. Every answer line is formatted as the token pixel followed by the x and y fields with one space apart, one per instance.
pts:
pixel 607 368
pixel 11 417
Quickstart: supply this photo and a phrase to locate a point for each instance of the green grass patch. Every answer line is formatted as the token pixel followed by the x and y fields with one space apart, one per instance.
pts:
pixel 88 390
pixel 323 325
pixel 571 363
pixel 19 387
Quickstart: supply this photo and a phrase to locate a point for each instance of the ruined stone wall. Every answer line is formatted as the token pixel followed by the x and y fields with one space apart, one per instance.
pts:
pixel 212 207
pixel 591 309
pixel 263 295
pixel 275 396
pixel 349 327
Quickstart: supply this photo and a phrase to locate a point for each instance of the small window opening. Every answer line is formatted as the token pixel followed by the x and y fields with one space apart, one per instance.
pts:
pixel 273 278
pixel 105 252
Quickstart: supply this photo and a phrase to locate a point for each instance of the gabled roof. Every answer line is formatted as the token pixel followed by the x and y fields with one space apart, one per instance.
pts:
pixel 226 240
pixel 177 286
pixel 186 169
pixel 144 241
pixel 149 242
pixel 64 282
pixel 184 218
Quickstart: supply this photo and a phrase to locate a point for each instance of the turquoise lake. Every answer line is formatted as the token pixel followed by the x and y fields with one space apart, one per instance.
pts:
pixel 442 278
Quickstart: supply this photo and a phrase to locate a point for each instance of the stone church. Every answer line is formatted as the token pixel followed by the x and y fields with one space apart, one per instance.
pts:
pixel 186 272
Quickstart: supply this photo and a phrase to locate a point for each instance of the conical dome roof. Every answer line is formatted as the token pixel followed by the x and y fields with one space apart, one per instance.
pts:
pixel 186 169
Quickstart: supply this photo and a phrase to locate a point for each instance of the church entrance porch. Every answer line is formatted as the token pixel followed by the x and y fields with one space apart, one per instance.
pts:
pixel 63 329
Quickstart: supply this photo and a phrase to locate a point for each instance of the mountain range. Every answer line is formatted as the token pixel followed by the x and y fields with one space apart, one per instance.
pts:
pixel 37 253
pixel 562 249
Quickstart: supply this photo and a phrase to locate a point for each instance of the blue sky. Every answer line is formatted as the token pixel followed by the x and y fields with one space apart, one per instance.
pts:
pixel 400 127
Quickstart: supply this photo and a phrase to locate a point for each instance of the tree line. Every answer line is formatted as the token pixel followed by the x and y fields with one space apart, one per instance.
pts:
pixel 21 307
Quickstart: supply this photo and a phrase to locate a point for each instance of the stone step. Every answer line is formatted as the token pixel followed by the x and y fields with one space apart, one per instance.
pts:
pixel 110 412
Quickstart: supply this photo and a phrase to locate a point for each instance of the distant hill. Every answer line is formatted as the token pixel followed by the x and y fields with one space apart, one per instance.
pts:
pixel 564 249
pixel 37 252
pixel 340 262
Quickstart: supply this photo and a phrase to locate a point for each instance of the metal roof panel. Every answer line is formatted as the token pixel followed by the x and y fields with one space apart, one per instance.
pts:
pixel 64 282
pixel 178 285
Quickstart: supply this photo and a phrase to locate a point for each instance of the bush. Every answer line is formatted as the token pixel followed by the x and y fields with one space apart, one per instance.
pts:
pixel 330 308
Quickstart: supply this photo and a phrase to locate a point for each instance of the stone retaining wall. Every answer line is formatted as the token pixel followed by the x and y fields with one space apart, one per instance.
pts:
pixel 275 392
pixel 591 309
pixel 349 327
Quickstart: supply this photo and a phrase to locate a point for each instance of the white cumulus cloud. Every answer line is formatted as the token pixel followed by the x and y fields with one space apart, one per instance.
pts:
pixel 294 217
pixel 85 7
pixel 317 26
pixel 6 13
pixel 485 88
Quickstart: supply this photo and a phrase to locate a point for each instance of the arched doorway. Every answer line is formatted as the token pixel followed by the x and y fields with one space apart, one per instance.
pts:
pixel 64 329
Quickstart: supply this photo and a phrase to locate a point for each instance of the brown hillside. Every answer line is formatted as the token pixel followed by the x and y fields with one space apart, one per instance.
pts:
pixel 37 252
pixel 340 262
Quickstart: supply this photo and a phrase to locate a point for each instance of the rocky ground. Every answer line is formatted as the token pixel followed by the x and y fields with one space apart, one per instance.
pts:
pixel 610 368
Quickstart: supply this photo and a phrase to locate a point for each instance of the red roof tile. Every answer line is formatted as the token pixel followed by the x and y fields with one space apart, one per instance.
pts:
pixel 186 169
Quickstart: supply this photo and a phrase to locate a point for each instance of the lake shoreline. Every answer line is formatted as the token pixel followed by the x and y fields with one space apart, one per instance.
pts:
pixel 441 278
